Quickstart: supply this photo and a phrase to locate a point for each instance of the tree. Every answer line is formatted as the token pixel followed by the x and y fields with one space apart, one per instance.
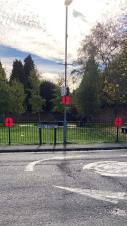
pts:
pixel 28 68
pixel 47 92
pixel 37 103
pixel 87 98
pixel 107 44
pixel 17 97
pixel 28 76
pixel 4 92
pixel 115 78
pixel 57 106
pixel 2 73
pixel 32 81
pixel 103 43
pixel 5 103
pixel 18 72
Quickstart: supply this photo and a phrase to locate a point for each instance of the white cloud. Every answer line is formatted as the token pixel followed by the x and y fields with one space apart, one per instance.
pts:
pixel 49 76
pixel 39 26
pixel 7 64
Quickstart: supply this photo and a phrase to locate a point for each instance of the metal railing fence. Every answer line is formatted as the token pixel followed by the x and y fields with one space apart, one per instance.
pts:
pixel 52 133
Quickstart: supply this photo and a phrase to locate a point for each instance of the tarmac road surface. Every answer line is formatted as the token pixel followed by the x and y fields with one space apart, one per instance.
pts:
pixel 64 189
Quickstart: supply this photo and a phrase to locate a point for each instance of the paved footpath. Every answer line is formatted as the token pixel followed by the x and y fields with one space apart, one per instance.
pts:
pixel 69 147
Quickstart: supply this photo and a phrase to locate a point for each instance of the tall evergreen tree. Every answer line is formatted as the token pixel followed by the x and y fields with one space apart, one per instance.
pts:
pixel 88 91
pixel 28 68
pixel 28 65
pixel 32 81
pixel 18 72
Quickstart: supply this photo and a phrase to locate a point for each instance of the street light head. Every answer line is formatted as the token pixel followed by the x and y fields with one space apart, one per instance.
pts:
pixel 67 2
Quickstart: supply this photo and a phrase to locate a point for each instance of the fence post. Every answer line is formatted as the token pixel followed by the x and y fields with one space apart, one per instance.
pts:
pixel 117 134
pixel 54 136
pixel 9 136
pixel 40 136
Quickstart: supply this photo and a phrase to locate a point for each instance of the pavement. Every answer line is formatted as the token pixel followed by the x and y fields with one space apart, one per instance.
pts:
pixel 68 147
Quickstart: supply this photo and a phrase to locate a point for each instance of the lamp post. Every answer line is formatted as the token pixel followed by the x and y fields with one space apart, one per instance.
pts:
pixel 116 99
pixel 67 3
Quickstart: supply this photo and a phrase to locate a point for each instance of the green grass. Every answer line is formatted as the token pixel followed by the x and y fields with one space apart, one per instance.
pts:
pixel 90 133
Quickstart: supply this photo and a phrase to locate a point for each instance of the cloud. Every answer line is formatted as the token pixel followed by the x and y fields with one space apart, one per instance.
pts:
pixel 38 27
pixel 8 55
pixel 47 69
pixel 77 14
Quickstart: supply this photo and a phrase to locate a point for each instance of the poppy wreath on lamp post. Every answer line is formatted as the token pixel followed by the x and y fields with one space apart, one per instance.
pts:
pixel 65 98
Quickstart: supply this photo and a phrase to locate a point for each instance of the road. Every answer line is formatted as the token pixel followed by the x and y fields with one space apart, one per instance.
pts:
pixel 64 189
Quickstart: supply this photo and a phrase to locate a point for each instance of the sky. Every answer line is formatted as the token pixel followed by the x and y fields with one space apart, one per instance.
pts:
pixel 38 28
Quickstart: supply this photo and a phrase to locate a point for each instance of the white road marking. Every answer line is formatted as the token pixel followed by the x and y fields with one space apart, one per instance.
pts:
pixel 119 212
pixel 109 196
pixel 31 165
pixel 108 168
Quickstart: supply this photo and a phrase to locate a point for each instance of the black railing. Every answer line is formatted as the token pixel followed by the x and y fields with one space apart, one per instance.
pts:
pixel 52 133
